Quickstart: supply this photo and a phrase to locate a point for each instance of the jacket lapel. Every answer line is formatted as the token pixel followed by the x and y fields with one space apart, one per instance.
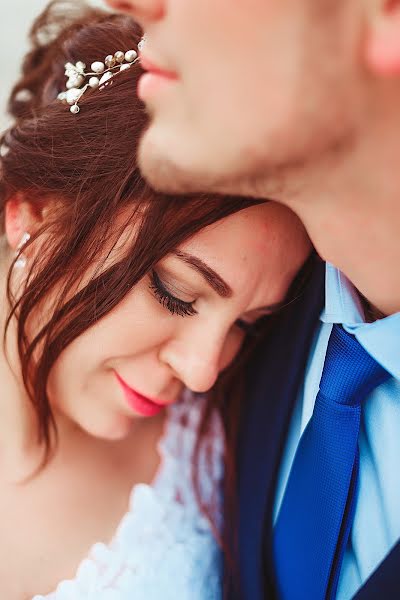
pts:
pixel 274 382
pixel 385 581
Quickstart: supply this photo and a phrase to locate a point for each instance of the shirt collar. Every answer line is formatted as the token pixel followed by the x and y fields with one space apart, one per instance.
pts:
pixel 343 305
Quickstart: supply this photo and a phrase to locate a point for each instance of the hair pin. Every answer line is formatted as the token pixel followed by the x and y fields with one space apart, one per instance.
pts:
pixel 100 74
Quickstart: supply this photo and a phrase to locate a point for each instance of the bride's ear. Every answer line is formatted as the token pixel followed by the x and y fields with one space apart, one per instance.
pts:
pixel 20 218
pixel 382 49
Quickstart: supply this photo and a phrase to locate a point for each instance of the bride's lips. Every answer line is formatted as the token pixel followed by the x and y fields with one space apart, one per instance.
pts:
pixel 153 78
pixel 137 402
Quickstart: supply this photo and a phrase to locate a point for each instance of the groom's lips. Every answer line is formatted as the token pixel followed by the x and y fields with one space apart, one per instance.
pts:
pixel 152 67
pixel 154 78
pixel 138 402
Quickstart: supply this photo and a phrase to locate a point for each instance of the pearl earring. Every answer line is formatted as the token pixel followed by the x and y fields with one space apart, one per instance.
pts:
pixel 21 261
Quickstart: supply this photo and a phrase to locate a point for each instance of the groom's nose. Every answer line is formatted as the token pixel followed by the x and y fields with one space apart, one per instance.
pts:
pixel 142 11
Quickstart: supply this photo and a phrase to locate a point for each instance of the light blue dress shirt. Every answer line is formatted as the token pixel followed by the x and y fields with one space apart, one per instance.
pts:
pixel 376 527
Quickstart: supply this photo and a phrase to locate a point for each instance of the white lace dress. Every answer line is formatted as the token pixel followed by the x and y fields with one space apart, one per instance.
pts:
pixel 163 548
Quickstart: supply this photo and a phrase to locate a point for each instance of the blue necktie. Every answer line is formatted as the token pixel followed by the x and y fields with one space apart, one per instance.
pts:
pixel 317 509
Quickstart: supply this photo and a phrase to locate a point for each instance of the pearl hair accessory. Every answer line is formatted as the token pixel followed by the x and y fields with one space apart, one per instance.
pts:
pixel 100 74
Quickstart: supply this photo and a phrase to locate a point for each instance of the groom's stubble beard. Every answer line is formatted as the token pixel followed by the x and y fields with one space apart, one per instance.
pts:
pixel 264 175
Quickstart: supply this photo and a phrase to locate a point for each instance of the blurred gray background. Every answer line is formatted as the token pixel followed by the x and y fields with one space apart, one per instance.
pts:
pixel 15 21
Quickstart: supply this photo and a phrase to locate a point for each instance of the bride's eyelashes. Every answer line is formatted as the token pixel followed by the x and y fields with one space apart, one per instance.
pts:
pixel 175 305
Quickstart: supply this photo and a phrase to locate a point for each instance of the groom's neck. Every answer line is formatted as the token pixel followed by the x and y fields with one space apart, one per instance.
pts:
pixel 362 239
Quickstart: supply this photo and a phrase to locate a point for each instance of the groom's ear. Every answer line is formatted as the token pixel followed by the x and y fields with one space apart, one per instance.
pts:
pixel 382 42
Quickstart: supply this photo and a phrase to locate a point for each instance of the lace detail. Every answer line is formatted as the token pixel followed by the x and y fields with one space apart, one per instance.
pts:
pixel 163 548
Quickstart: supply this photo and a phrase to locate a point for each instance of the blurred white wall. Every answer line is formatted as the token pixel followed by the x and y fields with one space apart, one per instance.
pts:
pixel 15 21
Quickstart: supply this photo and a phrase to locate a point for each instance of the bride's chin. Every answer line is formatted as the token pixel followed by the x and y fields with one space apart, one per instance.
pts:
pixel 115 429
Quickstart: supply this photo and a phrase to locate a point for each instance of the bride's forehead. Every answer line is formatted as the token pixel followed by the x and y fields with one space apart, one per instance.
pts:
pixel 257 251
pixel 238 247
pixel 240 235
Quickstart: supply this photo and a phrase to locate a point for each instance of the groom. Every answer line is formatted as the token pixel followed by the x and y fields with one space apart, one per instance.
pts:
pixel 299 101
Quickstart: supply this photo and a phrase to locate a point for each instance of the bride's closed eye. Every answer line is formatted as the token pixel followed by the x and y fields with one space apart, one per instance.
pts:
pixel 183 308
pixel 175 305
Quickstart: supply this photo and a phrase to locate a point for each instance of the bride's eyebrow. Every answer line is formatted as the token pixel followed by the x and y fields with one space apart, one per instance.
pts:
pixel 212 278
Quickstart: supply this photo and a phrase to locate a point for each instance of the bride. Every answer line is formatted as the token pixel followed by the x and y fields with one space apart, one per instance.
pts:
pixel 127 318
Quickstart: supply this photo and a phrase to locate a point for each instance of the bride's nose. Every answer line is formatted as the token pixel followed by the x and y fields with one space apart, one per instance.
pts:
pixel 141 10
pixel 196 359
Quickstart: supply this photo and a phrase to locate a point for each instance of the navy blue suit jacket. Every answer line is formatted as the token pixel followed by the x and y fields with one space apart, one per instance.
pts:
pixel 274 381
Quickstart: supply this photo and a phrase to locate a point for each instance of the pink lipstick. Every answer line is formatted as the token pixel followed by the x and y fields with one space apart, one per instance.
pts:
pixel 137 402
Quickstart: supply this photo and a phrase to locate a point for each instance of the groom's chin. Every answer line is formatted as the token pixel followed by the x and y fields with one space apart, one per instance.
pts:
pixel 170 175
pixel 163 172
